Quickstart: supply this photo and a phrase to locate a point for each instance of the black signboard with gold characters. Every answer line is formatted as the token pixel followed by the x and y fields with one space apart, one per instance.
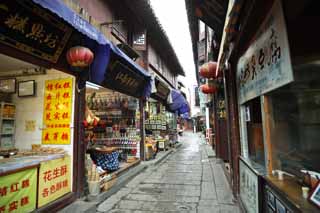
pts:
pixel 29 28
pixel 123 79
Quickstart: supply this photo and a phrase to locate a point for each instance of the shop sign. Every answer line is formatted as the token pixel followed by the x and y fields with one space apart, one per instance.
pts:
pixel 31 29
pixel 18 191
pixel 249 187
pixel 122 78
pixel 162 90
pixel 266 65
pixel 54 180
pixel 221 110
pixel 57 111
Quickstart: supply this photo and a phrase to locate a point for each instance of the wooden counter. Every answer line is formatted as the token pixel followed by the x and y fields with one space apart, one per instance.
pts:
pixel 290 191
pixel 19 163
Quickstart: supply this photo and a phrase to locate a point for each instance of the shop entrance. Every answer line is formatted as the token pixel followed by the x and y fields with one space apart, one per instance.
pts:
pixel 112 132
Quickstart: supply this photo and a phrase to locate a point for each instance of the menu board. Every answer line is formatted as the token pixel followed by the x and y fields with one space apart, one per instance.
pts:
pixel 57 111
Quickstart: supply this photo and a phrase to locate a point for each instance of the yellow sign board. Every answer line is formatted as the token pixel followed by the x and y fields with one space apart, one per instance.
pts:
pixel 57 111
pixel 18 191
pixel 54 180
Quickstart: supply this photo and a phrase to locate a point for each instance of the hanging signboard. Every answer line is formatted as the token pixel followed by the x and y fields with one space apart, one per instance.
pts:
pixel 54 180
pixel 162 90
pixel 27 27
pixel 18 191
pixel 123 79
pixel 249 188
pixel 266 65
pixel 57 111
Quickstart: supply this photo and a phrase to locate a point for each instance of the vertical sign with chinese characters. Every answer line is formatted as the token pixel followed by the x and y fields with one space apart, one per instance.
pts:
pixel 54 180
pixel 266 65
pixel 57 111
pixel 18 191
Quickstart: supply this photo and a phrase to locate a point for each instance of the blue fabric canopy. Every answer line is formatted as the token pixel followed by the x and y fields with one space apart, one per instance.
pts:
pixel 179 103
pixel 64 12
pixel 185 115
pixel 96 41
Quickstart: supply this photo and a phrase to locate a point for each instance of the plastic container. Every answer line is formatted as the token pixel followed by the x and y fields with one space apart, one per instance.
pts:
pixel 94 187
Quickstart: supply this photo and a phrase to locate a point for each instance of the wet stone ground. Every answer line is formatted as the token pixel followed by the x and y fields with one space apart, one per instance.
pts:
pixel 187 181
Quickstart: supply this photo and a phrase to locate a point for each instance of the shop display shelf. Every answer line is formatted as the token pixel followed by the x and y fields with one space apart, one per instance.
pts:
pixel 8 133
pixel 8 118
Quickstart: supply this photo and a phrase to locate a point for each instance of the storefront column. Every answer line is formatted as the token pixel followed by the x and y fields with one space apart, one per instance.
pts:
pixel 233 120
pixel 142 103
pixel 79 145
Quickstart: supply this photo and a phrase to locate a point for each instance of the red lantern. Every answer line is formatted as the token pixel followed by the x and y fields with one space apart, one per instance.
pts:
pixel 79 56
pixel 206 89
pixel 208 70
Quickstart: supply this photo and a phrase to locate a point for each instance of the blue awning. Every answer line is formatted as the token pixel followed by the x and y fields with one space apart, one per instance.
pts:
pixel 60 9
pixel 179 103
pixel 96 41
pixel 185 115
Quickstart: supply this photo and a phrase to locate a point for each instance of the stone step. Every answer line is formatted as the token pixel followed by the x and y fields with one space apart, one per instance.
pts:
pixel 80 207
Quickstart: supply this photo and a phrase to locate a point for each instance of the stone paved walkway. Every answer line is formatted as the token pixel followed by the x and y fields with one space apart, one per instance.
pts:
pixel 187 181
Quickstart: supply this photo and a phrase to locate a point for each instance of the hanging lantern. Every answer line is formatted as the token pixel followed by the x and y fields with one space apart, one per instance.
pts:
pixel 208 89
pixel 79 56
pixel 208 70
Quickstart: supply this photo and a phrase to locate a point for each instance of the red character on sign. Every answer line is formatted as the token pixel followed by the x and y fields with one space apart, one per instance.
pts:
pixel 49 87
pixel 66 95
pixel 47 176
pixel 57 95
pixel 49 97
pixel 66 104
pixel 52 189
pixel 45 192
pixel 65 115
pixel 55 136
pixel 63 170
pixel 48 116
pixel 65 183
pixel 56 173
pixel 14 187
pixel 57 86
pixel 57 106
pixel 3 191
pixel 48 106
pixel 13 206
pixel 66 85
pixel 57 115
pixel 24 201
pixel 59 186
pixel 25 183
pixel 2 209
pixel 46 137
pixel 64 136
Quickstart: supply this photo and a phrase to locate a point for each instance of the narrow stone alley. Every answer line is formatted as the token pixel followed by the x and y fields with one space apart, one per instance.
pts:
pixel 189 180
